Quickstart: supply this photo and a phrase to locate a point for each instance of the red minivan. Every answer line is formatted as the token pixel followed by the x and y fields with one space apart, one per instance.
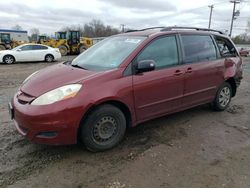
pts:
pixel 124 80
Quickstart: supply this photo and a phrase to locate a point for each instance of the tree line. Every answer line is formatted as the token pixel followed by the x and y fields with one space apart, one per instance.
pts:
pixel 95 28
pixel 243 38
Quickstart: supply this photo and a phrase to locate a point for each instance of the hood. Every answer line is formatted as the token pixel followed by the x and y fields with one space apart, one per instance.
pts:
pixel 53 77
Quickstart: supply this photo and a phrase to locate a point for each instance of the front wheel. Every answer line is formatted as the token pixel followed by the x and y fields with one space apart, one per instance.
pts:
pixel 223 97
pixel 9 59
pixel 103 128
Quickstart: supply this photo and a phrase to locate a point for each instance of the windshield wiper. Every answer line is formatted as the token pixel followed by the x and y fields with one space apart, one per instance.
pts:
pixel 78 66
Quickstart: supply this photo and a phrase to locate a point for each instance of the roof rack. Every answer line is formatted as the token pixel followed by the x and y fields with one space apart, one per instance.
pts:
pixel 190 28
pixel 134 30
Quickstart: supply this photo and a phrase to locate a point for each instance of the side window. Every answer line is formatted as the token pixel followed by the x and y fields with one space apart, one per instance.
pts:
pixel 163 51
pixel 198 48
pixel 39 47
pixel 225 47
pixel 27 47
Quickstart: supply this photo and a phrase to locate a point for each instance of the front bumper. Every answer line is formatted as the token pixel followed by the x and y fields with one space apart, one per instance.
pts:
pixel 55 124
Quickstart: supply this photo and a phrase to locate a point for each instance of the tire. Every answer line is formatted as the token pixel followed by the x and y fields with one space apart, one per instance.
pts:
pixel 49 58
pixel 9 59
pixel 82 49
pixel 223 97
pixel 103 128
pixel 2 47
pixel 63 50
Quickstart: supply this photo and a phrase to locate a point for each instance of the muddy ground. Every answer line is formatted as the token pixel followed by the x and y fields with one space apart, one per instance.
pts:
pixel 197 148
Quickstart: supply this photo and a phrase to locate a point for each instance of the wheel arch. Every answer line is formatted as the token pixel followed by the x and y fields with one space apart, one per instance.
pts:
pixel 49 54
pixel 9 55
pixel 120 105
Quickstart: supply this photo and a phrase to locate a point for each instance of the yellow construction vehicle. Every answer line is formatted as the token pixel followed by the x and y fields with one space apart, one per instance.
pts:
pixel 68 42
pixel 43 39
pixel 6 42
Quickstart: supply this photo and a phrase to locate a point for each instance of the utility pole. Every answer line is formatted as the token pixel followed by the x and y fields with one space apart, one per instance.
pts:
pixel 123 28
pixel 234 14
pixel 210 16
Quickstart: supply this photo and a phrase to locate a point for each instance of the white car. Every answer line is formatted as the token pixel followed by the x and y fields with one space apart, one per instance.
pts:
pixel 30 52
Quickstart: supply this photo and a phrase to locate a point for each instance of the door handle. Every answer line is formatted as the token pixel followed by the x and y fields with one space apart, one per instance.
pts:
pixel 189 70
pixel 178 72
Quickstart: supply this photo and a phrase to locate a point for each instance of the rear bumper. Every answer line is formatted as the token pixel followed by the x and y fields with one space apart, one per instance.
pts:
pixel 42 125
pixel 57 56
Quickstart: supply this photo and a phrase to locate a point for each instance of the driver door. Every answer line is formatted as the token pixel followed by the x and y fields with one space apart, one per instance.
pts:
pixel 24 53
pixel 160 91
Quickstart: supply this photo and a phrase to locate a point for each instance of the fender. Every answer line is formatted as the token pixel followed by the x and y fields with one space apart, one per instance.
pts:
pixel 230 68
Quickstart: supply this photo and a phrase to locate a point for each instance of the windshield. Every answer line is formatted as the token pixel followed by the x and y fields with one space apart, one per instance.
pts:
pixel 108 54
pixel 5 37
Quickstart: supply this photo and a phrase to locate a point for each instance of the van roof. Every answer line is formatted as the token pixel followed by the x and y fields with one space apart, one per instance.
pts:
pixel 175 29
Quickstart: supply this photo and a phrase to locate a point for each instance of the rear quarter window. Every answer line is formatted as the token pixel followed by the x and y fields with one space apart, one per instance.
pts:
pixel 197 48
pixel 226 48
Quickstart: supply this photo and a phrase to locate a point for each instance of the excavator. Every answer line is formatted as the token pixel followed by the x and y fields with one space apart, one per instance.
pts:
pixel 68 42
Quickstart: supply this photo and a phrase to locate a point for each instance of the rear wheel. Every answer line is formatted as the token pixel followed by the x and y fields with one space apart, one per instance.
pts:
pixel 103 128
pixel 49 58
pixel 82 49
pixel 63 50
pixel 8 59
pixel 223 97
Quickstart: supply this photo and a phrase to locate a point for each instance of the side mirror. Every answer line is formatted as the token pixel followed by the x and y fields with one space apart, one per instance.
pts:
pixel 229 63
pixel 145 66
pixel 19 50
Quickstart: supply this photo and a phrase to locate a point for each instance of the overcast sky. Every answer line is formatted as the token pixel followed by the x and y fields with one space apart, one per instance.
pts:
pixel 51 15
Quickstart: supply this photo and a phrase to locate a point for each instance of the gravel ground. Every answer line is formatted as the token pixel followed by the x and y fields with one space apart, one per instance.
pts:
pixel 196 148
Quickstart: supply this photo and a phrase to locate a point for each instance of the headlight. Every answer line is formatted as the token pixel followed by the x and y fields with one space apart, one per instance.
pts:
pixel 58 94
pixel 29 77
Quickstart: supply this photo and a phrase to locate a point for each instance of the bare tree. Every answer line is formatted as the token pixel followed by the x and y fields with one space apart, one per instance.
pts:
pixel 34 34
pixel 95 28
pixel 243 38
pixel 17 27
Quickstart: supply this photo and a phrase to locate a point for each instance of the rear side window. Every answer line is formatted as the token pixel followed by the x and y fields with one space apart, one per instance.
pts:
pixel 39 47
pixel 162 50
pixel 198 48
pixel 225 47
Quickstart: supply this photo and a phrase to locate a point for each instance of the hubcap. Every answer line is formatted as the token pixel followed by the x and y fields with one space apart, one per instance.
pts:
pixel 49 58
pixel 105 129
pixel 224 97
pixel 9 60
